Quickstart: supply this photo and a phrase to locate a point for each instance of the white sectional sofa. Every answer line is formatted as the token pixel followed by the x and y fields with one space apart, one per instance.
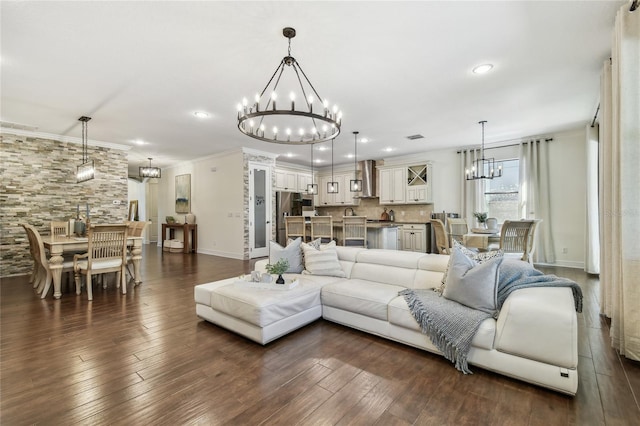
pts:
pixel 534 337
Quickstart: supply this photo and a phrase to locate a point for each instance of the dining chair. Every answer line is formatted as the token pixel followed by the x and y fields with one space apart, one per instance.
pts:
pixel 354 231
pixel 42 276
pixel 531 241
pixel 295 227
pixel 107 252
pixel 457 229
pixel 515 236
pixel 322 227
pixel 442 241
pixel 59 229
pixel 35 273
pixel 134 229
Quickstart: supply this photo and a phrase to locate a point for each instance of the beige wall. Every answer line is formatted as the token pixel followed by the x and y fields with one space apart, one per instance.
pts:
pixel 219 197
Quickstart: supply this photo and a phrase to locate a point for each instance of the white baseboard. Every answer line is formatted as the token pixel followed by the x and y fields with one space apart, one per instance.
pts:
pixel 564 263
pixel 230 255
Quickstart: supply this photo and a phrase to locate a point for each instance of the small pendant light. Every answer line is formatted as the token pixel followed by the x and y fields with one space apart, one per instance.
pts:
pixel 355 185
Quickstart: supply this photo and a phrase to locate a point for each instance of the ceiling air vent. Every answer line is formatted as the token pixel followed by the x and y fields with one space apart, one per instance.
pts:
pixel 414 137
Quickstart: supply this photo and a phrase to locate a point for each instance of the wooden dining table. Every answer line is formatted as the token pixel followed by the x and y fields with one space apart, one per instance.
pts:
pixel 481 240
pixel 59 245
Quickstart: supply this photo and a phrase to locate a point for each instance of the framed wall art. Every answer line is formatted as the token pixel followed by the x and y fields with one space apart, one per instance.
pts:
pixel 183 193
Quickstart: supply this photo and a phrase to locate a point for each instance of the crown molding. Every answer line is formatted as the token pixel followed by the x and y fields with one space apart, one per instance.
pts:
pixel 61 138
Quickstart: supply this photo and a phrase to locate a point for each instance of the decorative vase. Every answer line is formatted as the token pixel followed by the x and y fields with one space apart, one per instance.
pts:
pixel 280 280
pixel 79 228
pixel 492 223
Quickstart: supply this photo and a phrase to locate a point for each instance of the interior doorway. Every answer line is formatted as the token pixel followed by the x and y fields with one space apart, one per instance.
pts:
pixel 260 210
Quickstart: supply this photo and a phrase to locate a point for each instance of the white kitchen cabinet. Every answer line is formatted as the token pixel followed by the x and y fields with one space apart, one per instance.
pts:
pixel 324 198
pixel 414 238
pixel 409 184
pixel 393 185
pixel 304 179
pixel 286 180
pixel 344 197
pixel 419 184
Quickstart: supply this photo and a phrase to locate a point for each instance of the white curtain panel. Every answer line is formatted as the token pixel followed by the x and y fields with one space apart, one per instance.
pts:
pixel 592 231
pixel 471 191
pixel 619 186
pixel 534 196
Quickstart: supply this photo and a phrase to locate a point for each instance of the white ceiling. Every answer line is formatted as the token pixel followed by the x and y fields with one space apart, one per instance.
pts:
pixel 140 70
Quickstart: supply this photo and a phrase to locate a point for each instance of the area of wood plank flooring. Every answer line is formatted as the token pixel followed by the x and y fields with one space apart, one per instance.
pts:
pixel 145 358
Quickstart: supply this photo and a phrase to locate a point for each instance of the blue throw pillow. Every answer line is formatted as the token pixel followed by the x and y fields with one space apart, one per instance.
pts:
pixel 291 252
pixel 473 284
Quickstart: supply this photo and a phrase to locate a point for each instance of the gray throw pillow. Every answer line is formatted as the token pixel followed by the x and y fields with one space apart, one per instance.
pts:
pixel 478 257
pixel 473 284
pixel 291 252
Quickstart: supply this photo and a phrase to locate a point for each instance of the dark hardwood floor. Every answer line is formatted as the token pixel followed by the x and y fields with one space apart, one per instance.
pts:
pixel 145 358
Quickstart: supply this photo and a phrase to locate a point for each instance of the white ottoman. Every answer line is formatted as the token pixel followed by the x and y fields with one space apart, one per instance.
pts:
pixel 259 314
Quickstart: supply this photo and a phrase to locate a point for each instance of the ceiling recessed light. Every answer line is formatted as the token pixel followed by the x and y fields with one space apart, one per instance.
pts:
pixel 139 142
pixel 322 148
pixel 201 114
pixel 349 155
pixel 389 149
pixel 364 140
pixel 481 69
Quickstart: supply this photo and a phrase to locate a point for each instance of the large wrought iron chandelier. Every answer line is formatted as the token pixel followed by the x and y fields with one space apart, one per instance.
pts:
pixel 85 171
pixel 483 168
pixel 269 119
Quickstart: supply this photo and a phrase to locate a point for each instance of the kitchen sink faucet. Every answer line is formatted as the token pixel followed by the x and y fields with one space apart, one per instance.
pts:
pixel 353 213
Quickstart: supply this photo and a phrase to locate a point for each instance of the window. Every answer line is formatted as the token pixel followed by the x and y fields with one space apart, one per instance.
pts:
pixel 502 193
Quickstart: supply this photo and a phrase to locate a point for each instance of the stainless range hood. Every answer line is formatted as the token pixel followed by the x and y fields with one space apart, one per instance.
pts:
pixel 368 168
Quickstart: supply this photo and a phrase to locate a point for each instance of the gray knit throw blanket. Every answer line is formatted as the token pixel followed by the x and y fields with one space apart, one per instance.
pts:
pixel 452 326
pixel 516 275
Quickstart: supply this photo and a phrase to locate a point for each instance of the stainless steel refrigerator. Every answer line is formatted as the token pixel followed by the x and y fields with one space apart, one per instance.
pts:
pixel 289 204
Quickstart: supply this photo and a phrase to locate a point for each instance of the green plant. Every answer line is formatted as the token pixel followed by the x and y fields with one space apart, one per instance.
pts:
pixel 481 216
pixel 278 268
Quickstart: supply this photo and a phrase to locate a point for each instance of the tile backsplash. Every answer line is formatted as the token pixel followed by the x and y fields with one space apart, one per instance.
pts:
pixel 371 208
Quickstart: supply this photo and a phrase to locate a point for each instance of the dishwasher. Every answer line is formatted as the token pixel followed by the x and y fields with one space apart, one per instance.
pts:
pixel 388 238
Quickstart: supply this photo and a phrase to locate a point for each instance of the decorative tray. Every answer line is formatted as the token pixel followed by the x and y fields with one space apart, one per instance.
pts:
pixel 244 281
pixel 484 231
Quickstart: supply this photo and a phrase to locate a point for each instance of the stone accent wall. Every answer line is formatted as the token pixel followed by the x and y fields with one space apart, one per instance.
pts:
pixel 39 185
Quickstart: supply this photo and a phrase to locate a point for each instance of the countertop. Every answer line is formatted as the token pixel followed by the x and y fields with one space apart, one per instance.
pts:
pixel 382 224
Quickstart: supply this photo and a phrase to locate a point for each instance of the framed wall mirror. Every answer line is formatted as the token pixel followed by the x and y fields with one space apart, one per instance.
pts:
pixel 133 210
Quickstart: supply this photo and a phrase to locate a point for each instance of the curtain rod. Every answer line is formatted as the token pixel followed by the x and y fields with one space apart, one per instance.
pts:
pixel 512 144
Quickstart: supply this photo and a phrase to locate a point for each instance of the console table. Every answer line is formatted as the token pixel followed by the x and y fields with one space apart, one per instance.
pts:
pixel 190 232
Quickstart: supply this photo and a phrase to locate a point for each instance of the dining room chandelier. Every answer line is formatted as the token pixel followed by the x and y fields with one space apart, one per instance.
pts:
pixel 150 172
pixel 85 171
pixel 289 122
pixel 483 168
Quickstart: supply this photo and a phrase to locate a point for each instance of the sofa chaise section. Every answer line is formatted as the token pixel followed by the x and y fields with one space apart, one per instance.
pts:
pixel 534 337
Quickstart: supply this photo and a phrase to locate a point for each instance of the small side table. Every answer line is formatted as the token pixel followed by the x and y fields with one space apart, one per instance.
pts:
pixel 190 232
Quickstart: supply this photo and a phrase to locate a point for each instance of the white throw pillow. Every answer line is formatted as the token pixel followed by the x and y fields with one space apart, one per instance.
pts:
pixel 291 252
pixel 473 284
pixel 322 262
